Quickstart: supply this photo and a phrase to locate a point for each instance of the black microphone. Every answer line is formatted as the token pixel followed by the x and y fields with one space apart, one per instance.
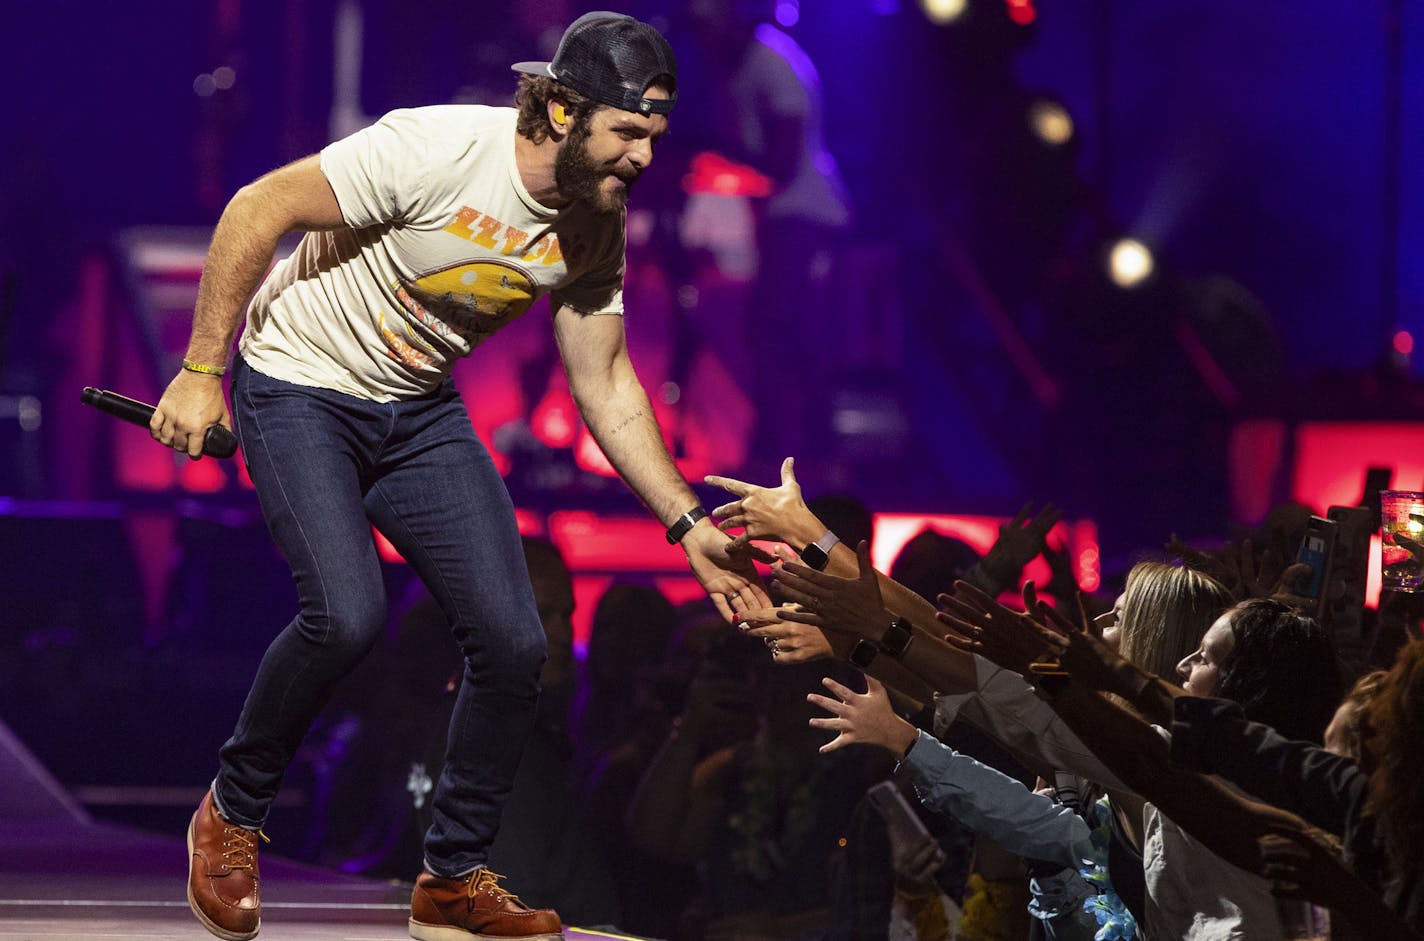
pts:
pixel 217 441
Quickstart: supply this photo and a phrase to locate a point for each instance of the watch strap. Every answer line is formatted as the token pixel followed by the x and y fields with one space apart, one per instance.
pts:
pixel 817 555
pixel 683 523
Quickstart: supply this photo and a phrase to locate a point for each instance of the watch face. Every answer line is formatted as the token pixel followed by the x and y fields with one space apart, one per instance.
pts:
pixel 897 638
pixel 863 653
pixel 814 557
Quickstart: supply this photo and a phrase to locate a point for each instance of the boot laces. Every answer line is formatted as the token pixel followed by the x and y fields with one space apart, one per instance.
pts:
pixel 487 879
pixel 240 847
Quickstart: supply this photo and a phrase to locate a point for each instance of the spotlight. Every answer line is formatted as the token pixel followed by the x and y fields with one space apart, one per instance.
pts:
pixel 1129 263
pixel 1022 12
pixel 1051 122
pixel 942 12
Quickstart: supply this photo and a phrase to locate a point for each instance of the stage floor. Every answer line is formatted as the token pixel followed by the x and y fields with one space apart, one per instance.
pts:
pixel 69 880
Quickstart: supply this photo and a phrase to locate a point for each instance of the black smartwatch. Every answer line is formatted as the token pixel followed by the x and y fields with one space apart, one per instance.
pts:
pixel 818 553
pixel 897 638
pixel 863 653
pixel 683 523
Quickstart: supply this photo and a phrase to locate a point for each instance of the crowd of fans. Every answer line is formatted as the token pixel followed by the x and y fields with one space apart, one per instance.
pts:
pixel 1189 758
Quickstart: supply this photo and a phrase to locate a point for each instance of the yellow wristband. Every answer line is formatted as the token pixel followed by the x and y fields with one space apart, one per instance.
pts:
pixel 206 370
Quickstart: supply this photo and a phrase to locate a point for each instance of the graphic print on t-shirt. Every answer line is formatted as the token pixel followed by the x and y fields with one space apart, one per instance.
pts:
pixel 471 301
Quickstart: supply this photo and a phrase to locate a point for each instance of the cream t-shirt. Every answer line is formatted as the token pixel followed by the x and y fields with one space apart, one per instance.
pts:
pixel 442 247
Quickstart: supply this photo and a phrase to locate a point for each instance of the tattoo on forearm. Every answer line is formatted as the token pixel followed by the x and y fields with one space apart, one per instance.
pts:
pixel 627 421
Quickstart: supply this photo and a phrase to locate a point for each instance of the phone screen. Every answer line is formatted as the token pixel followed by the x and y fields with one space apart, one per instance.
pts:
pixel 1313 550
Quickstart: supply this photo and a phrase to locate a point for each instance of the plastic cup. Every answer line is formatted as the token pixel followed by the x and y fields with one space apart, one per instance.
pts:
pixel 1402 537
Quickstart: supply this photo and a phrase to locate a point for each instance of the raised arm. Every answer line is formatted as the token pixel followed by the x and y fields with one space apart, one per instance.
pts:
pixel 296 196
pixel 616 409
pixel 1213 737
pixel 854 606
pixel 1306 865
pixel 981 798
pixel 1268 841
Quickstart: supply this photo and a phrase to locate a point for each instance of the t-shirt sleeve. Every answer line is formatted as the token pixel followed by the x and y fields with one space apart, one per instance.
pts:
pixel 600 289
pixel 379 173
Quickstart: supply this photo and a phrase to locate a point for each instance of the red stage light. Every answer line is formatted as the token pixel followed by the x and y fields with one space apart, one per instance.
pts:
pixel 713 173
pixel 1022 13
pixel 1404 343
pixel 555 420
pixel 590 457
pixel 384 549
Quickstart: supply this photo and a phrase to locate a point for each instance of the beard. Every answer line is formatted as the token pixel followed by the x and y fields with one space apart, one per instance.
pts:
pixel 581 178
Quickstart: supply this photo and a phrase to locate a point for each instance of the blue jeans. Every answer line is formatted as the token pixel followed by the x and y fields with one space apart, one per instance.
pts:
pixel 326 466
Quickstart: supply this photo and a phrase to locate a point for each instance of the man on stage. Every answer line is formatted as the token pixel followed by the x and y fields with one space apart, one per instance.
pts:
pixel 426 233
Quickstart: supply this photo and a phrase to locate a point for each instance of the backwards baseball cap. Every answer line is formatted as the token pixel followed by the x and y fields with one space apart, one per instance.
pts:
pixel 612 59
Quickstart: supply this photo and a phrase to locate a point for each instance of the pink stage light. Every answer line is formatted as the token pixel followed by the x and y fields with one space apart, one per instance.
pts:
pixel 555 421
pixel 1332 458
pixel 590 457
pixel 710 172
pixel 1079 539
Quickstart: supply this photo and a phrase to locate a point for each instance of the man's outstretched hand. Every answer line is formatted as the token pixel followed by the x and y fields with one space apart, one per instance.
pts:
pixel 725 570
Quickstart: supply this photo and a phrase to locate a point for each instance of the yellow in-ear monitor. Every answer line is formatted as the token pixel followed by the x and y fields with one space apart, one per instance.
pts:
pixel 559 115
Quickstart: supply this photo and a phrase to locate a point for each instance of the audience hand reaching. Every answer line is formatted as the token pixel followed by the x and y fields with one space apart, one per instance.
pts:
pixel 1080 649
pixel 1019 543
pixel 862 718
pixel 790 642
pixel 778 513
pixel 1300 864
pixel 850 606
pixel 981 625
pixel 1061 582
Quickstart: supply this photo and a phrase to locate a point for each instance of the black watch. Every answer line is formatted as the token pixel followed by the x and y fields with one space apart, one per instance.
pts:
pixel 863 653
pixel 818 553
pixel 897 638
pixel 683 523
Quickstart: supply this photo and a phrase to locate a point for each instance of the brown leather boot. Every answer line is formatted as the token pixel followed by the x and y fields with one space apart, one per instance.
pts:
pixel 222 874
pixel 475 908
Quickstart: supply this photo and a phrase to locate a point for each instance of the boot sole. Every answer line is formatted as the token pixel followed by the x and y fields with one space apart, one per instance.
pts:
pixel 207 922
pixel 420 931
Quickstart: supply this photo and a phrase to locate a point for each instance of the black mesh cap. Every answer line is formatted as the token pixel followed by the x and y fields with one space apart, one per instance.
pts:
pixel 612 59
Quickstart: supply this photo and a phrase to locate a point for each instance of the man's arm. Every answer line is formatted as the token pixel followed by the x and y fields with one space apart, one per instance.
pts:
pixel 616 409
pixel 296 196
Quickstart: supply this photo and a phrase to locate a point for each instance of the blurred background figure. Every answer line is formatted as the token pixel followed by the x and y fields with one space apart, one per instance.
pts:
pixel 740 790
pixel 765 101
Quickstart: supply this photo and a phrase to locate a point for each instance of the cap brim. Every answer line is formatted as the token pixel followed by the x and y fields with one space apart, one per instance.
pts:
pixel 535 68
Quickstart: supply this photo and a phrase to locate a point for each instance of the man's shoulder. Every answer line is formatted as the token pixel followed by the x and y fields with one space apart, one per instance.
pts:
pixel 450 119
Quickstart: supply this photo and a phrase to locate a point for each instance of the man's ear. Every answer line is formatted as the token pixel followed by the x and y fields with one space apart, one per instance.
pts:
pixel 558 116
